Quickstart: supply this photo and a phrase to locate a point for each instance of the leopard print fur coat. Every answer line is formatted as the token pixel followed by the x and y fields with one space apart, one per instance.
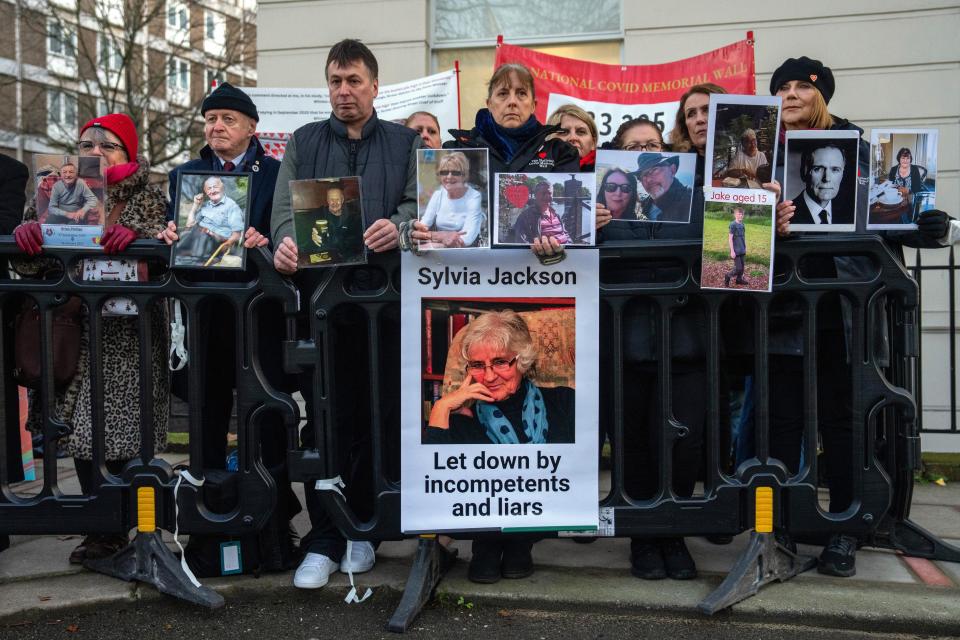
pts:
pixel 144 213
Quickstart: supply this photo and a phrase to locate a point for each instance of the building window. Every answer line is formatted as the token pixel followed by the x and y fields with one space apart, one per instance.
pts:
pixel 61 115
pixel 178 21
pixel 178 142
pixel 61 40
pixel 214 33
pixel 111 57
pixel 178 80
pixel 112 10
pixel 461 22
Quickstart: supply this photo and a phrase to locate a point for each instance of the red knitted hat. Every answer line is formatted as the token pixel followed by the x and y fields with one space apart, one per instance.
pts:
pixel 120 125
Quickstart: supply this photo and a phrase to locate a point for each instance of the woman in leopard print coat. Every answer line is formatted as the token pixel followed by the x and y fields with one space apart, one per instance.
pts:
pixel 142 215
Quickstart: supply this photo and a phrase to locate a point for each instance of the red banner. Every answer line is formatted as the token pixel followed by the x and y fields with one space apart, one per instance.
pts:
pixel 616 93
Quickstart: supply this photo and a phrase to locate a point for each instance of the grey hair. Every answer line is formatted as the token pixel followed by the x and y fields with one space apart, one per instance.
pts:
pixel 211 180
pixel 505 330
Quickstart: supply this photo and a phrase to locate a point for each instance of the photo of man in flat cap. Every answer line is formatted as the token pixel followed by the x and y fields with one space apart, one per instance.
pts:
pixel 668 199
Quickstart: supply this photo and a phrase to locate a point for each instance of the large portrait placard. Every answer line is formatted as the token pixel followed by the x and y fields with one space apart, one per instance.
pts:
pixel 497 433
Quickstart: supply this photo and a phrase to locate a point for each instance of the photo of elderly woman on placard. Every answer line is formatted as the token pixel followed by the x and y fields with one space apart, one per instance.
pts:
pixel 452 194
pixel 516 386
pixel 903 176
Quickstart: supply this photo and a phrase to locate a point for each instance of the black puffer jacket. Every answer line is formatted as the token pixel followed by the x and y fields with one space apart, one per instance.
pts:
pixel 537 155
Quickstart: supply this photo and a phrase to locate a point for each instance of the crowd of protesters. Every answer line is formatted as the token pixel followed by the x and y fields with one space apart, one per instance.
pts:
pixel 516 141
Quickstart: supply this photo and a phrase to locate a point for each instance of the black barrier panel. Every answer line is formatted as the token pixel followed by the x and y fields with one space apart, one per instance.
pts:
pixel 833 305
pixel 113 503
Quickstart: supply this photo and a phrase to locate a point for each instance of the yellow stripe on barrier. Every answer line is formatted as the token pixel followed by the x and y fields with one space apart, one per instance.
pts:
pixel 146 510
pixel 764 512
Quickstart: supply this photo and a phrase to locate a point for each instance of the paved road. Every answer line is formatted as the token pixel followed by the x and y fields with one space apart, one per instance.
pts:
pixel 313 616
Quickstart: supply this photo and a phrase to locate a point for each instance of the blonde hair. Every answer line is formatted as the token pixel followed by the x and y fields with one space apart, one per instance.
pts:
pixel 504 330
pixel 679 135
pixel 455 158
pixel 820 117
pixel 576 112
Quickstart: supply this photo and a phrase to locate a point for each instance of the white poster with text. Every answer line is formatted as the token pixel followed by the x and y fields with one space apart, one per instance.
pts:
pixel 499 392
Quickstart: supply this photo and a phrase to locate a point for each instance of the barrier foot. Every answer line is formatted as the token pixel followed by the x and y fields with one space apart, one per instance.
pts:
pixel 430 564
pixel 913 540
pixel 147 559
pixel 763 561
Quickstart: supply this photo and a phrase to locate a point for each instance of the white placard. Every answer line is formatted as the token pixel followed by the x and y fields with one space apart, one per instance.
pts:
pixel 450 486
pixel 609 115
pixel 282 111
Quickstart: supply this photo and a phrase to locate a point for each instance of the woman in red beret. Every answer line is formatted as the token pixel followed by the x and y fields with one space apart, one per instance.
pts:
pixel 133 209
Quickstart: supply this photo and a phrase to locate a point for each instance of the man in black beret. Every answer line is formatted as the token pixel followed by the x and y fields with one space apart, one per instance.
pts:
pixel 669 200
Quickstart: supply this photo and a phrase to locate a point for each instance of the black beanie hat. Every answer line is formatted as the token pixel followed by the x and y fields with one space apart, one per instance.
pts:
pixel 803 68
pixel 227 96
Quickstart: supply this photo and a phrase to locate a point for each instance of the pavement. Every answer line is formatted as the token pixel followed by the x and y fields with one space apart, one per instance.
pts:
pixel 890 593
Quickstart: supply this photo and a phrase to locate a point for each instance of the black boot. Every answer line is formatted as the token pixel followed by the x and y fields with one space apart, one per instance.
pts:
pixel 485 563
pixel 677 559
pixel 646 561
pixel 517 559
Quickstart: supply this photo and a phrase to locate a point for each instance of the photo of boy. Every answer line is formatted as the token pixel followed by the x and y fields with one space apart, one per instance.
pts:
pixel 738 248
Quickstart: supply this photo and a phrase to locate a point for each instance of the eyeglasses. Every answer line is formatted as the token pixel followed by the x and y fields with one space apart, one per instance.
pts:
pixel 643 146
pixel 106 147
pixel 455 174
pixel 611 187
pixel 499 365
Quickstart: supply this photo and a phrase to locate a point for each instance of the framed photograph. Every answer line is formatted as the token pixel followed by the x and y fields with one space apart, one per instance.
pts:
pixel 558 205
pixel 328 221
pixel 70 200
pixel 820 177
pixel 646 186
pixel 903 177
pixel 452 188
pixel 213 211
pixel 737 239
pixel 742 137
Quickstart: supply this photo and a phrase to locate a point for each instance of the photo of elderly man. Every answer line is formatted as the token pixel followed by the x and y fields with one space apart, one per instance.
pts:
pixel 213 225
pixel 71 198
pixel 668 198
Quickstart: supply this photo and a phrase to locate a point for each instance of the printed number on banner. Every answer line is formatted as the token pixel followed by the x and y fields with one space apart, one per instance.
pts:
pixel 605 119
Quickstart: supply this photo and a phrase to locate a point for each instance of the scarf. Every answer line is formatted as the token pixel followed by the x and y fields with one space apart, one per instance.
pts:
pixel 588 161
pixel 534 416
pixel 505 141
pixel 120 172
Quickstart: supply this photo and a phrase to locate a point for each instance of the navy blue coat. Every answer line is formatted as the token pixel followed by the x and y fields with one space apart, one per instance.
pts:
pixel 263 168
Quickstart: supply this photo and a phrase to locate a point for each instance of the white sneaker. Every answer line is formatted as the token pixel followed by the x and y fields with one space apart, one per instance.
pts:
pixel 314 571
pixel 362 558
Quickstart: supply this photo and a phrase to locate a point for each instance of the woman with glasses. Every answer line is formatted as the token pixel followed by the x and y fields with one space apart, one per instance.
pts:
pixel 134 208
pixel 499 403
pixel 454 216
pixel 638 135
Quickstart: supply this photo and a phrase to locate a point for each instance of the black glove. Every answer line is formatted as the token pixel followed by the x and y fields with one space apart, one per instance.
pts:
pixel 933 223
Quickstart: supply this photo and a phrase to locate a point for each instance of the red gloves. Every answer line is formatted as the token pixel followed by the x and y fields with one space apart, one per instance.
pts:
pixel 117 238
pixel 29 238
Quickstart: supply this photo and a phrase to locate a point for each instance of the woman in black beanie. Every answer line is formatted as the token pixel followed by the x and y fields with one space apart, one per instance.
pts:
pixel 806 87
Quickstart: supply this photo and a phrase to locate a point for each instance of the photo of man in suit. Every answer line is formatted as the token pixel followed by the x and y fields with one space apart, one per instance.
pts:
pixel 822 169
